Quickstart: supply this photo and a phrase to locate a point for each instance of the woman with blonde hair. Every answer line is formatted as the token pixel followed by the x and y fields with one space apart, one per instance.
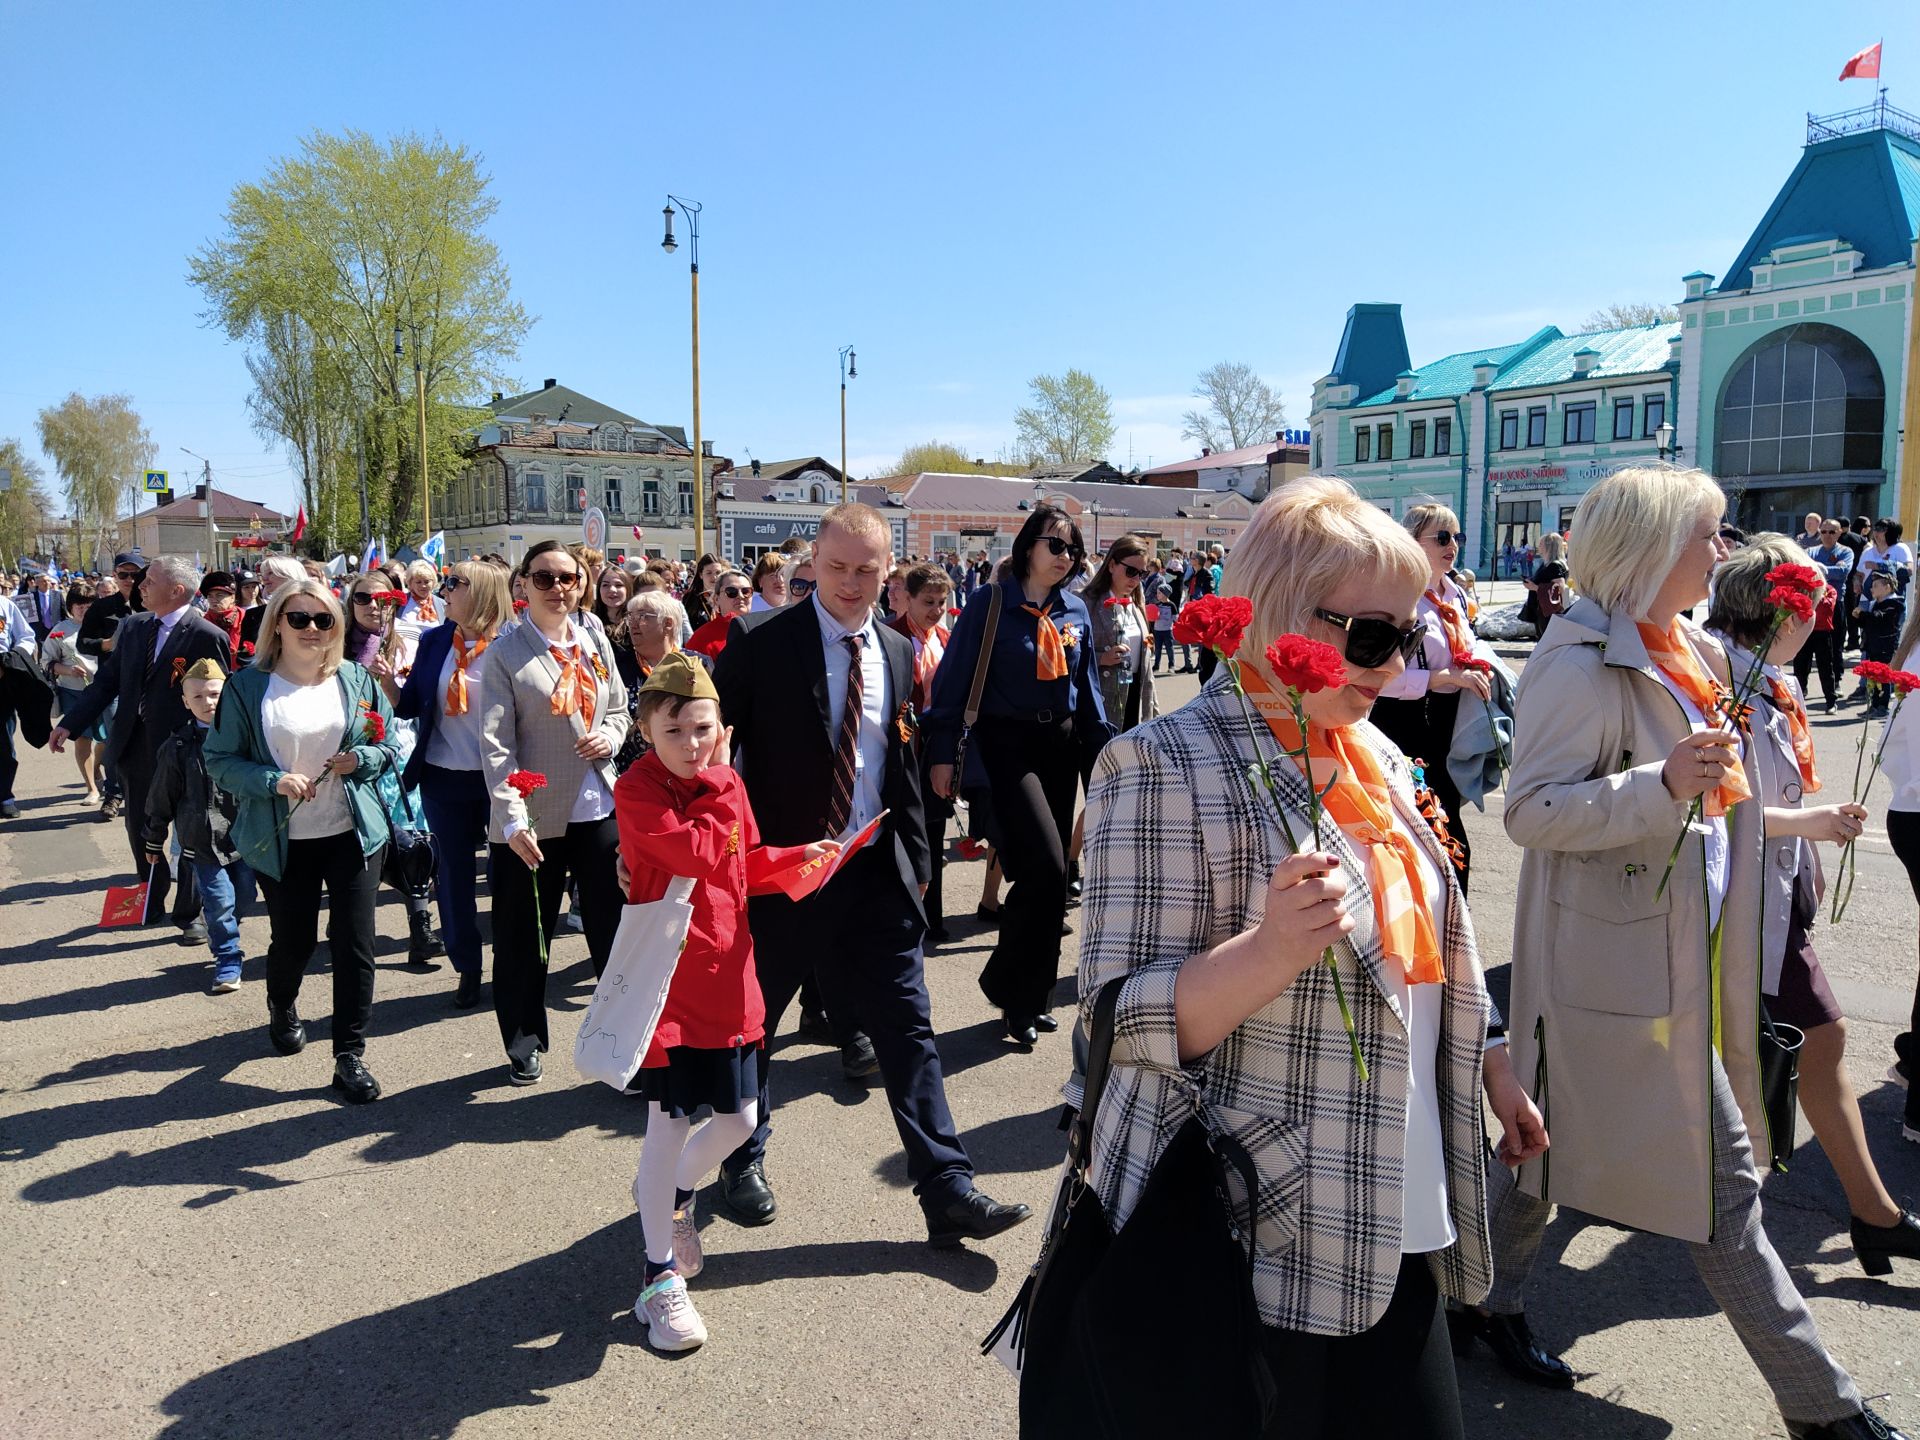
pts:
pixel 1640 1041
pixel 1371 1201
pixel 443 698
pixel 300 741
pixel 422 606
pixel 1902 763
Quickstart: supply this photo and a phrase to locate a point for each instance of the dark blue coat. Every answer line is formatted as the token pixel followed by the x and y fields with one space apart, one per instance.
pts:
pixel 420 697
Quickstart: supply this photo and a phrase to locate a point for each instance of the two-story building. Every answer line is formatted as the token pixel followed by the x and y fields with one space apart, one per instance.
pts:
pixel 241 529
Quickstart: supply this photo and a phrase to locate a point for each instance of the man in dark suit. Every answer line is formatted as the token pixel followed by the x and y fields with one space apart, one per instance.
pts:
pixel 819 697
pixel 149 650
pixel 45 606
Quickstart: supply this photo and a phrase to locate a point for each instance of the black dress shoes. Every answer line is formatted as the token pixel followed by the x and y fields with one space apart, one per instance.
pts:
pixel 466 994
pixel 1074 886
pixel 1021 1029
pixel 745 1194
pixel 192 934
pixel 1513 1346
pixel 1045 1024
pixel 1864 1426
pixel 351 1079
pixel 988 916
pixel 857 1060
pixel 525 1070
pixel 1876 1245
pixel 289 1036
pixel 974 1216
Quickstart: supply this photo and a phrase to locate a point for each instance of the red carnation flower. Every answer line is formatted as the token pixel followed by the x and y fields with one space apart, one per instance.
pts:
pixel 519 604
pixel 1307 666
pixel 526 782
pixel 1905 681
pixel 1787 597
pixel 1473 663
pixel 1874 672
pixel 1800 577
pixel 1215 621
pixel 374 721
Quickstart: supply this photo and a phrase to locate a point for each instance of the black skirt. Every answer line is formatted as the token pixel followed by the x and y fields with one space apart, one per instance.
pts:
pixel 723 1080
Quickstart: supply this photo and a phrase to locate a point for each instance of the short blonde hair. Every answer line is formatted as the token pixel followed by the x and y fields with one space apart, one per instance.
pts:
pixel 861 520
pixel 419 568
pixel 659 603
pixel 1421 518
pixel 1305 539
pixel 1632 527
pixel 492 596
pixel 268 653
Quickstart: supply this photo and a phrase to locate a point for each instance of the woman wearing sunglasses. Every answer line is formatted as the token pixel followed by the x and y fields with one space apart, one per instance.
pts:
pixel 442 697
pixel 1121 632
pixel 1648 1070
pixel 732 596
pixel 1371 1192
pixel 300 741
pixel 1041 725
pixel 1417 710
pixel 554 705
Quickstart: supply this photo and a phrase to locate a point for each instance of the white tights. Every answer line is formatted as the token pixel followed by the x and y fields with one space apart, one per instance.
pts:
pixel 672 1158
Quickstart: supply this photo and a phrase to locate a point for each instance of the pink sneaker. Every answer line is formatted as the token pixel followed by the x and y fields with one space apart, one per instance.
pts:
pixel 672 1322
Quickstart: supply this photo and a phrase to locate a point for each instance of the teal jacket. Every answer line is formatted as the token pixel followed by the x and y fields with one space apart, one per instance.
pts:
pixel 241 764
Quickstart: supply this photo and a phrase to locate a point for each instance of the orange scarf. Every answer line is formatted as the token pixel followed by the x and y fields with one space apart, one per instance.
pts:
pixel 574 690
pixel 457 685
pixel 1673 653
pixel 1459 633
pixel 1361 804
pixel 423 610
pixel 1788 704
pixel 1050 653
pixel 929 646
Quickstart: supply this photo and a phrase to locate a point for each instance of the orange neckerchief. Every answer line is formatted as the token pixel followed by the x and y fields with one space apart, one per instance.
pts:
pixel 1459 634
pixel 457 685
pixel 424 610
pixel 1673 653
pixel 1789 705
pixel 1050 654
pixel 929 646
pixel 1361 804
pixel 574 690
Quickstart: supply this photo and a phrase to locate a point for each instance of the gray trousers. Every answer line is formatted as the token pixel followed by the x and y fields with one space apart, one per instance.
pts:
pixel 1741 1271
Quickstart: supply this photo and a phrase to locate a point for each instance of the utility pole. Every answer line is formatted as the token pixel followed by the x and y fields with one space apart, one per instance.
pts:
pixel 206 507
pixel 360 461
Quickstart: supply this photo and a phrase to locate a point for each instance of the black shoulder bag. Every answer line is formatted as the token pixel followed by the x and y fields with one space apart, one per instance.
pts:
pixel 1089 1366
pixel 979 688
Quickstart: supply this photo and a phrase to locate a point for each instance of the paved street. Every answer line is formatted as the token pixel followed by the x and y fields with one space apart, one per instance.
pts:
pixel 200 1242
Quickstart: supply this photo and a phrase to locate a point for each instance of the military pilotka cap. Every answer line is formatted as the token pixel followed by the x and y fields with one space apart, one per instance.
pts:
pixel 206 668
pixel 678 673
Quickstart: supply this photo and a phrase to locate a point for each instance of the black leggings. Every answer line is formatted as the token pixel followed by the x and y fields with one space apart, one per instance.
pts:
pixel 1035 773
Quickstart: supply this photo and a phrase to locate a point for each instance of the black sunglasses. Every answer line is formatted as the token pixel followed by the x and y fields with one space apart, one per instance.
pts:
pixel 454 582
pixel 547 579
pixel 736 592
pixel 301 619
pixel 1062 547
pixel 1371 642
pixel 1447 537
pixel 800 587
pixel 1134 570
pixel 128 574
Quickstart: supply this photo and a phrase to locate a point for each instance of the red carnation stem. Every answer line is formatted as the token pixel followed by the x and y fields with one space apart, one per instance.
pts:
pixel 1849 861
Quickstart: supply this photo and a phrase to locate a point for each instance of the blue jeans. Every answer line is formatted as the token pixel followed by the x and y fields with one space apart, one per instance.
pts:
pixel 225 890
pixel 457 808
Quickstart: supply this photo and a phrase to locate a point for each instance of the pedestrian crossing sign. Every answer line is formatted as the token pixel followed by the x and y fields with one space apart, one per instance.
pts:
pixel 156 480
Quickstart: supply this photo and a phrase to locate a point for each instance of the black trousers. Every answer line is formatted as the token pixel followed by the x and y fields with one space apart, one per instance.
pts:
pixel 136 775
pixel 352 882
pixel 1820 649
pixel 587 853
pixel 860 937
pixel 1423 729
pixel 1034 770
pixel 1903 830
pixel 1394 1379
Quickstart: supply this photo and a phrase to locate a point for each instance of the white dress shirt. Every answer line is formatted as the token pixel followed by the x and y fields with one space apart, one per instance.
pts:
pixel 455 742
pixel 164 629
pixel 870 754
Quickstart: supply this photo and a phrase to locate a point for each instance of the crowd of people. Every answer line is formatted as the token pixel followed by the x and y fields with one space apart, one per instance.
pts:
pixel 566 732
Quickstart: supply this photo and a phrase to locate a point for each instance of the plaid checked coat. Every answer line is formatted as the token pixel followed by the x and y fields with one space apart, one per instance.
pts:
pixel 1180 847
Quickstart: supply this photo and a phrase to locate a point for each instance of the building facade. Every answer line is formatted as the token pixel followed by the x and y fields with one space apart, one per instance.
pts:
pixel 242 529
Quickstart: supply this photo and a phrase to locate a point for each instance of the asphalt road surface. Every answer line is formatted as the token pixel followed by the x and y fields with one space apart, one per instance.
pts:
pixel 199 1241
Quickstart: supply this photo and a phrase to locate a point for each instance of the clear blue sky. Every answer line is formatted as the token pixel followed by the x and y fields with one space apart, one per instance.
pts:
pixel 970 194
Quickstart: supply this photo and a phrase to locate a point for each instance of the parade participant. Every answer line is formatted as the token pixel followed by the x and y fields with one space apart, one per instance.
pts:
pixel 610 598
pixel 1880 619
pixel 422 606
pixel 682 811
pixel 827 775
pixel 1901 760
pixel 123 599
pixel 442 698
pixel 16 637
pixel 1780 769
pixel 1650 1079
pixel 1834 560
pixel 184 798
pixel 698 597
pixel 1546 584
pixel 299 742
pixel 246 589
pixel 554 707
pixel 141 678
pixel 220 592
pixel 924 622
pixel 732 596
pixel 275 571
pixel 770 581
pixel 1417 710
pixel 1370 1209
pixel 1040 727
pixel 71 672
pixel 1120 629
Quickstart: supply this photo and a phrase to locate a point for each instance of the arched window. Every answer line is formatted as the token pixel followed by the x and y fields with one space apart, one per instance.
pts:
pixel 817 495
pixel 1805 400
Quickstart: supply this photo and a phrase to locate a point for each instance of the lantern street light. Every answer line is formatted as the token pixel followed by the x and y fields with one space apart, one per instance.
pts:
pixel 691 209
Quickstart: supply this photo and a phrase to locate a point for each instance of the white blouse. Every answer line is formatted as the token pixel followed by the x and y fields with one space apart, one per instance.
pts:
pixel 1716 837
pixel 455 742
pixel 1436 652
pixel 305 725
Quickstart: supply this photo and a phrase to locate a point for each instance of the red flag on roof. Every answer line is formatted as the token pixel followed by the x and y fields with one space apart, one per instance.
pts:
pixel 1864 66
pixel 299 524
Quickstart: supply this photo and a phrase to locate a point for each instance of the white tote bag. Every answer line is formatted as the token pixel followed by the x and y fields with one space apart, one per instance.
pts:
pixel 627 1003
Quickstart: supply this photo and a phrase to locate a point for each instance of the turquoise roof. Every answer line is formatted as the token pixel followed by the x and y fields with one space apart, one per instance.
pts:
pixel 1373 347
pixel 1864 188
pixel 1444 378
pixel 1640 350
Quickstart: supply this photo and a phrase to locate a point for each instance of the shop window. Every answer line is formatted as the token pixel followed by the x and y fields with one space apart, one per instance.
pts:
pixel 1509 429
pixel 1623 419
pixel 1417 440
pixel 1384 447
pixel 1576 424
pixel 1443 437
pixel 1536 427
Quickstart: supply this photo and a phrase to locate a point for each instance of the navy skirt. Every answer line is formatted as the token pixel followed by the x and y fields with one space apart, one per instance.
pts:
pixel 722 1080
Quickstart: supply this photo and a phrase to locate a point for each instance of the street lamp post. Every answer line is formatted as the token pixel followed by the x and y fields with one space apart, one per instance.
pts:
pixel 691 209
pixel 847 372
pixel 1663 439
pixel 206 506
pixel 420 405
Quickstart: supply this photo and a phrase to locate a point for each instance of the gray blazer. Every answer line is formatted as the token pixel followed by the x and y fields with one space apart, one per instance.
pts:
pixel 519 731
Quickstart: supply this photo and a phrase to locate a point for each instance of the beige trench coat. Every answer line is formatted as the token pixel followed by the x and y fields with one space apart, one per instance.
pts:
pixel 1612 1016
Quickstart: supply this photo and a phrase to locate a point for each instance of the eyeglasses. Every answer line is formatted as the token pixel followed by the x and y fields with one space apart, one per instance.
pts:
pixel 1134 570
pixel 301 619
pixel 1058 547
pixel 736 592
pixel 1447 537
pixel 454 582
pixel 800 587
pixel 1370 643
pixel 547 579
pixel 128 574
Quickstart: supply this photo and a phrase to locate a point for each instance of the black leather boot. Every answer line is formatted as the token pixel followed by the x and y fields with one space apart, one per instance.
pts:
pixel 1876 1245
pixel 1513 1346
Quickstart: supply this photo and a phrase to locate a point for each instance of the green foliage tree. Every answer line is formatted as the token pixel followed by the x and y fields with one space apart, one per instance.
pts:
pixel 355 239
pixel 100 447
pixel 1070 419
pixel 25 506
pixel 1241 408
pixel 1625 314
pixel 940 457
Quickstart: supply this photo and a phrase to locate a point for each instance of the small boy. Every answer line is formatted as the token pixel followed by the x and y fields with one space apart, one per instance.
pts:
pixel 1880 620
pixel 182 795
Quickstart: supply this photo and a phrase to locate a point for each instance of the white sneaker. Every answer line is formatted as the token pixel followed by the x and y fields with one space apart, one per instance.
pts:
pixel 687 1258
pixel 672 1322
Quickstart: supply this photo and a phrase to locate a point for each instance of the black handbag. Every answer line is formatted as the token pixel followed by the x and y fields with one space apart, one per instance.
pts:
pixel 410 858
pixel 1780 1084
pixel 1089 1366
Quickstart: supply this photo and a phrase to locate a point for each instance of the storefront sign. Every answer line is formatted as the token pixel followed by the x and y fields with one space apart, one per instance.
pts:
pixel 1523 474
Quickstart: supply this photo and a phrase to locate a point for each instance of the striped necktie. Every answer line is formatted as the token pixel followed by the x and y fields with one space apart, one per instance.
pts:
pixel 846 751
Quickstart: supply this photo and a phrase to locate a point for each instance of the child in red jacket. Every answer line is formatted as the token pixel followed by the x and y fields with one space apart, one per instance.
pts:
pixel 683 811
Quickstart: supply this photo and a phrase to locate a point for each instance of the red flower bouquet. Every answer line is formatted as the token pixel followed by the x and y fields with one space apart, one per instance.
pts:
pixel 523 783
pixel 1216 622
